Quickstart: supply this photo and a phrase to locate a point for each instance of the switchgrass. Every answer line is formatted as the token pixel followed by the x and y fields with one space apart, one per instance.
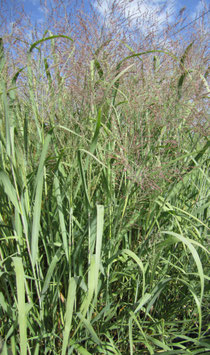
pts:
pixel 104 209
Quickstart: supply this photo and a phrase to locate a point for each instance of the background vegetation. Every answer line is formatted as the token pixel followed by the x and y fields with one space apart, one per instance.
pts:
pixel 104 188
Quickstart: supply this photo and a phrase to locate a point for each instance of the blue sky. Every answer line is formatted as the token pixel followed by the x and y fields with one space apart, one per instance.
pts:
pixel 193 8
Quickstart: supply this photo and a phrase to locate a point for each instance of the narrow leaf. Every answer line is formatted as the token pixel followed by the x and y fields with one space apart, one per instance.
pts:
pixel 9 189
pixel 22 311
pixel 61 216
pixel 47 39
pixel 139 262
pixel 99 233
pixel 38 201
pixel 71 297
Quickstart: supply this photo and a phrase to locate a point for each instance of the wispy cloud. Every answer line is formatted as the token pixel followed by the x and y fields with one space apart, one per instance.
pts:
pixel 201 6
pixel 200 9
pixel 139 12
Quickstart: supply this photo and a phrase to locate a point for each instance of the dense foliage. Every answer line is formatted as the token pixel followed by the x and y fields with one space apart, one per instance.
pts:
pixel 104 195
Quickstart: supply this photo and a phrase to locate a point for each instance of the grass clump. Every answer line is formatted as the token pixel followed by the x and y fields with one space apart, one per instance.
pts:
pixel 104 199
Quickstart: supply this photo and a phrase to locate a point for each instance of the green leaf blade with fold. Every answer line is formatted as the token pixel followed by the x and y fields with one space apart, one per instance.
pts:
pixel 38 202
pixel 71 299
pixel 9 190
pixel 22 310
pixel 99 235
pixel 61 216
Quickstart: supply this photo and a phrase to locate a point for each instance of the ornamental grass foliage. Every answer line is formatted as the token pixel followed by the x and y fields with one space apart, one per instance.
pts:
pixel 104 185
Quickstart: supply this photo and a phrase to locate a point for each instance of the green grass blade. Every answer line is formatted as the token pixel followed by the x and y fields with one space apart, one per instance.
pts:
pixel 89 327
pixel 99 69
pixel 42 159
pixel 183 58
pixel 83 180
pixel 177 237
pixel 47 39
pixel 71 298
pixel 198 304
pixel 9 189
pixel 82 350
pixel 7 120
pixel 142 302
pixel 180 84
pixel 116 79
pixel 49 275
pixel 96 134
pixel 187 242
pixel 22 311
pixel 130 333
pixel 36 221
pixel 148 52
pixel 159 343
pixel 25 130
pixel 139 262
pixel 91 286
pixel 94 157
pixel 79 348
pixel 144 335
pixel 99 234
pixel 47 70
pixel 157 291
pixel 2 57
pixel 61 216
pixel 33 102
pixel 4 305
pixel 38 202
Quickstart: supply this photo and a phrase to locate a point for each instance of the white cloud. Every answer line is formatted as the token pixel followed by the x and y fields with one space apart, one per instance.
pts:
pixel 201 6
pixel 141 13
pixel 44 10
pixel 199 10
